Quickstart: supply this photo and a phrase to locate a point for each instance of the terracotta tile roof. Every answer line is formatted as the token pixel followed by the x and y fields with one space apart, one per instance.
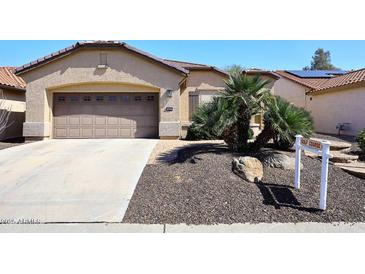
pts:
pixel 322 84
pixel 194 66
pixel 262 72
pixel 352 77
pixel 9 79
pixel 312 83
pixel 93 44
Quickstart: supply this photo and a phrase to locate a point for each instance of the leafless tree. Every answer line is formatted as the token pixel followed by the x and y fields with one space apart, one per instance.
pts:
pixel 4 115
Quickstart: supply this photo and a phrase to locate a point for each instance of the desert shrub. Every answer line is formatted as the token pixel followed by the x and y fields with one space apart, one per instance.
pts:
pixel 282 121
pixel 207 121
pixel 210 120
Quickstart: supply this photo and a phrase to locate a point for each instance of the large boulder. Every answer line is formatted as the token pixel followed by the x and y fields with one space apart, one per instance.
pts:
pixel 276 159
pixel 248 168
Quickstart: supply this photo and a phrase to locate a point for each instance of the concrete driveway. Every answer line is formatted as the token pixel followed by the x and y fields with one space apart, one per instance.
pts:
pixel 71 180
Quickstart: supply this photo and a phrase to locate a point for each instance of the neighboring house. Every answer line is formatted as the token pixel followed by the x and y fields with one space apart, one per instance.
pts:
pixel 107 89
pixel 340 100
pixel 12 98
pixel 333 97
pixel 294 84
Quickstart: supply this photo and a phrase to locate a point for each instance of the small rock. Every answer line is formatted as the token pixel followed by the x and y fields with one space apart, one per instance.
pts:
pixel 279 160
pixel 249 168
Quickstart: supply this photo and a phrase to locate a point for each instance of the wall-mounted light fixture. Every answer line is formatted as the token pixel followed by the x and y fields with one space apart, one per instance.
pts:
pixel 169 93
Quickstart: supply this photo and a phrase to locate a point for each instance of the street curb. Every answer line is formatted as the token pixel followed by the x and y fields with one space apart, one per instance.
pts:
pixel 184 228
pixel 309 227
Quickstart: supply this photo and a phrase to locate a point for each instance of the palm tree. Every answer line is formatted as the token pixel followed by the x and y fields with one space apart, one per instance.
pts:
pixel 282 121
pixel 245 96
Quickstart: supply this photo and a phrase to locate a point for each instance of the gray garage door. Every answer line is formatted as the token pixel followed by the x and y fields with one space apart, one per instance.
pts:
pixel 100 115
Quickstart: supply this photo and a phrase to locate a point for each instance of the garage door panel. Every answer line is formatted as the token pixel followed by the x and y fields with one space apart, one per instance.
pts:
pixel 125 99
pixel 112 132
pixel 126 133
pixel 61 132
pixel 72 109
pixel 127 121
pixel 74 120
pixel 100 120
pixel 87 120
pixel 85 108
pixel 114 115
pixel 147 132
pixel 149 112
pixel 126 110
pixel 100 133
pixel 112 121
pixel 87 133
pixel 102 109
pixel 145 121
pixel 74 132
pixel 139 110
pixel 60 121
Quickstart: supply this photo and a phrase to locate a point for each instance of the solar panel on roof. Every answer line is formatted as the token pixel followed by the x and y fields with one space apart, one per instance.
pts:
pixel 316 73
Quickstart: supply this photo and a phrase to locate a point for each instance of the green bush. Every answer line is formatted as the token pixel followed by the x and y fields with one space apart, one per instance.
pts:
pixel 206 121
pixel 282 121
pixel 361 140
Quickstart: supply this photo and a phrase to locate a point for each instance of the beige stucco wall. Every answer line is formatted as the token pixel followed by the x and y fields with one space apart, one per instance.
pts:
pixel 78 71
pixel 342 106
pixel 204 83
pixel 291 91
pixel 13 101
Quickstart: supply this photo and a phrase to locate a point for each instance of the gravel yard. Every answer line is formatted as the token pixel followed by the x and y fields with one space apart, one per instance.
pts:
pixel 200 188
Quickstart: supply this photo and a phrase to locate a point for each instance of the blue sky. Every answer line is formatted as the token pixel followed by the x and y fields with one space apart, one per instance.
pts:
pixel 260 54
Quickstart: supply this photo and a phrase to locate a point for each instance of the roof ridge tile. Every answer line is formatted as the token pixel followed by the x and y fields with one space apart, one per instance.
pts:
pixel 59 53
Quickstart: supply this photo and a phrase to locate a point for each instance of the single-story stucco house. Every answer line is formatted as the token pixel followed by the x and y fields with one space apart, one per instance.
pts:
pixel 334 98
pixel 12 99
pixel 108 89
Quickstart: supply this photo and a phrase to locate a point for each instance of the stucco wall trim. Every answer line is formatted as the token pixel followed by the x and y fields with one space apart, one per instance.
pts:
pixel 36 129
pixel 169 129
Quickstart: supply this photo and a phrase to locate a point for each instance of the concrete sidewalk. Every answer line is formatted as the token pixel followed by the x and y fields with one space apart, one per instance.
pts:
pixel 183 228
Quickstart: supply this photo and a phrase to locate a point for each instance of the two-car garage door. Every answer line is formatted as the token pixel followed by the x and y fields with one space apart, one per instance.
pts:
pixel 101 115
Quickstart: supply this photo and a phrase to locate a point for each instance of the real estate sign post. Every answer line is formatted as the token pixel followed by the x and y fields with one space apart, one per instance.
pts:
pixel 321 148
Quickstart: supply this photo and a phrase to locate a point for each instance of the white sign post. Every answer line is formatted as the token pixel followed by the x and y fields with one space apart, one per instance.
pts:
pixel 320 148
